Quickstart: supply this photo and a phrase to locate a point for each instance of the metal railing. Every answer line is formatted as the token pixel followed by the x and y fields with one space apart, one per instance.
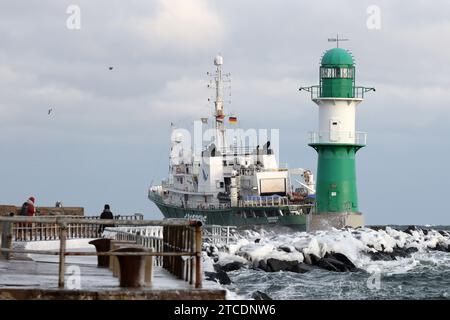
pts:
pixel 204 206
pixel 264 201
pixel 46 231
pixel 352 137
pixel 50 231
pixel 218 235
pixel 181 238
pixel 232 150
pixel 316 92
pixel 152 237
pixel 148 237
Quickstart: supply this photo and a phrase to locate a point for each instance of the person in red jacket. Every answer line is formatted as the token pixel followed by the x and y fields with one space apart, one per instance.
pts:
pixel 28 208
pixel 31 208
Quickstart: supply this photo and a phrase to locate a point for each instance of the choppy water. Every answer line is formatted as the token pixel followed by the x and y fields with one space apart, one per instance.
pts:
pixel 424 275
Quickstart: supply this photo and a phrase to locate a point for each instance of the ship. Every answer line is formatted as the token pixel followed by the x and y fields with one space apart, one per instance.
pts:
pixel 225 181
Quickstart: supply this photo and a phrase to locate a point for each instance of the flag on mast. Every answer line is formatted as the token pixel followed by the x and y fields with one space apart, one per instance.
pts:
pixel 232 120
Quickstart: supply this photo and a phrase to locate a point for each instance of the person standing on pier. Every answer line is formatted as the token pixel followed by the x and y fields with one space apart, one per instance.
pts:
pixel 28 208
pixel 106 214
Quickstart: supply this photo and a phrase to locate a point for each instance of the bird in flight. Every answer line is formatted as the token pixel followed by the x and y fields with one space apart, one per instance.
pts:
pixel 50 111
pixel 110 68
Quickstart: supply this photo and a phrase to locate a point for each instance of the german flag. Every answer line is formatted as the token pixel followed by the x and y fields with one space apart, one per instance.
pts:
pixel 232 120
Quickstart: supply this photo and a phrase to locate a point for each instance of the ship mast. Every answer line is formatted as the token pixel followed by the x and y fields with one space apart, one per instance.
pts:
pixel 218 103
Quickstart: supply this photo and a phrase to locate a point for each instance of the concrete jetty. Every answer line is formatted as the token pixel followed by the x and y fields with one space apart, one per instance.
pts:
pixel 20 279
pixel 51 258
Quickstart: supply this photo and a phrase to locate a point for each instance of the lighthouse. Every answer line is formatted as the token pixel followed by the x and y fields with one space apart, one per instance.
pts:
pixel 336 141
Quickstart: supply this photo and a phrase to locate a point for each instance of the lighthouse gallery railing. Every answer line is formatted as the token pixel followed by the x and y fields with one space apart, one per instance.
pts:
pixel 316 93
pixel 352 137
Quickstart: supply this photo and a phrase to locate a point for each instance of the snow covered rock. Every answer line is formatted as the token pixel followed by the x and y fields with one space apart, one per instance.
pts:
pixel 259 295
pixel 275 265
pixel 220 277
pixel 231 266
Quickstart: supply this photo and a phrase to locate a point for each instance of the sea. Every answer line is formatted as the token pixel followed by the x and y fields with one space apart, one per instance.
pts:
pixel 423 274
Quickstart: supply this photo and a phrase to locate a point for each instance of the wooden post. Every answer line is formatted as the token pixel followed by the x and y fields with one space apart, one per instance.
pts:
pixel 192 258
pixel 149 269
pixel 7 235
pixel 9 239
pixel 198 254
pixel 62 257
pixel 186 248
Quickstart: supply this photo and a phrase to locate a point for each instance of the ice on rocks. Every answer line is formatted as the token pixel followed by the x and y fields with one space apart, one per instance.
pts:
pixel 355 244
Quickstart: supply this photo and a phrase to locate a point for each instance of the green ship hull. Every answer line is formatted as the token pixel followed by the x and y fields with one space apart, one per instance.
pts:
pixel 239 216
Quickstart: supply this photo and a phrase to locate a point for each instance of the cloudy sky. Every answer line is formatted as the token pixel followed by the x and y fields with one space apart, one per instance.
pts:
pixel 108 135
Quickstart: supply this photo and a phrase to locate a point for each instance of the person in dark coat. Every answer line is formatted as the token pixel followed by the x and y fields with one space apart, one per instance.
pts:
pixel 106 214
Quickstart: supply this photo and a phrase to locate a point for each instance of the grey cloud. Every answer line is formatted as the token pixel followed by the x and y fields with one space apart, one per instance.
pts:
pixel 121 117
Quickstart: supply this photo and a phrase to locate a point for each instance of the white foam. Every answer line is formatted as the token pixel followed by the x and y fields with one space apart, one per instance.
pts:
pixel 354 243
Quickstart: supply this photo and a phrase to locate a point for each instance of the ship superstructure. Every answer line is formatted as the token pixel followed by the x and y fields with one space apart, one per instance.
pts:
pixel 229 183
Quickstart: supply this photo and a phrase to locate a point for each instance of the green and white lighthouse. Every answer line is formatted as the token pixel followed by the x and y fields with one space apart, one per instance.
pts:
pixel 337 141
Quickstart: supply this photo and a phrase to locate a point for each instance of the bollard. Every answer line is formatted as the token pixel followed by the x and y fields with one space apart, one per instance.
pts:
pixel 116 264
pixel 112 247
pixel 132 268
pixel 102 245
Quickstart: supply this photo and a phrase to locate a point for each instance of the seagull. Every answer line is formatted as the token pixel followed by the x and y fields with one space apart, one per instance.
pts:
pixel 50 111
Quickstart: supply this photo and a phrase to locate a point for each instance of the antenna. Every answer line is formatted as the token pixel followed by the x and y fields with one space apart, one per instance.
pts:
pixel 217 81
pixel 337 39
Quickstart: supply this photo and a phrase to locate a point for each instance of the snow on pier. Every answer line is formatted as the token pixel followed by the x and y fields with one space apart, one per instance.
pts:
pixel 68 268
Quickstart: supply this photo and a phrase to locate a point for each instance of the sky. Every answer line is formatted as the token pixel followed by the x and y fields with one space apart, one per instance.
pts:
pixel 107 137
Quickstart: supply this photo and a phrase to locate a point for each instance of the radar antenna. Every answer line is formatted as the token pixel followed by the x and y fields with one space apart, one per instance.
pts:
pixel 337 39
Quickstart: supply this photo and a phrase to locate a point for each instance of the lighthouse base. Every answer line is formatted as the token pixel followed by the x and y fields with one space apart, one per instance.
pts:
pixel 327 221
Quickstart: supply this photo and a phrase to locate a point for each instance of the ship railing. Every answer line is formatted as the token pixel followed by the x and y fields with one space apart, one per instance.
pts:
pixel 156 189
pixel 180 246
pixel 348 137
pixel 166 184
pixel 231 150
pixel 184 189
pixel 238 150
pixel 264 201
pixel 204 206
pixel 301 209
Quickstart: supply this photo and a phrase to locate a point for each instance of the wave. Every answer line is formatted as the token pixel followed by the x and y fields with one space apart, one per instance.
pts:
pixel 390 251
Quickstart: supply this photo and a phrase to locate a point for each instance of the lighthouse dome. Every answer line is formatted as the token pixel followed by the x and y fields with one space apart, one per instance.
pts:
pixel 337 57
